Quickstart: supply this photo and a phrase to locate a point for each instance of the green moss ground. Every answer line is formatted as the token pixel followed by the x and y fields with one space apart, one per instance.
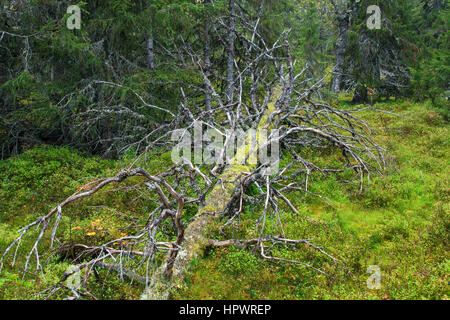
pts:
pixel 399 222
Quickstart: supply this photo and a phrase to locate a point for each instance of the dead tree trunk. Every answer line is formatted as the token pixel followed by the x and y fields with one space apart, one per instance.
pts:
pixel 196 234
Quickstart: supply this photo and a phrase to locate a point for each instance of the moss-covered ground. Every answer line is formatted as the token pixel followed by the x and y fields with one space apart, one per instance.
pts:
pixel 399 222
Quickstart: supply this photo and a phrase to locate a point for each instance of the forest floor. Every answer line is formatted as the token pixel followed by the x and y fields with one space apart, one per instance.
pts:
pixel 399 222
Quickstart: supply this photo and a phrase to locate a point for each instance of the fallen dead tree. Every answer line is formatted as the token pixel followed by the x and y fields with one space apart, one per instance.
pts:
pixel 268 96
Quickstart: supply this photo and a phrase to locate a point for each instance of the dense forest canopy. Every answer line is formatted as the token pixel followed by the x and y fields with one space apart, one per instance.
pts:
pixel 129 84
pixel 89 88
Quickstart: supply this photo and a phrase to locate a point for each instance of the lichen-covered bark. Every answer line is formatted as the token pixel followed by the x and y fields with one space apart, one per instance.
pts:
pixel 196 234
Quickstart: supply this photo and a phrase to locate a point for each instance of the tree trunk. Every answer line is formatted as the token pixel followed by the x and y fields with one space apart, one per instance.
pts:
pixel 360 95
pixel 196 238
pixel 230 62
pixel 150 51
pixel 207 58
pixel 341 47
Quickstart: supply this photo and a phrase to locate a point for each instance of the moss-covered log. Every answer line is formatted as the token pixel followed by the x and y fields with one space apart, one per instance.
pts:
pixel 196 235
